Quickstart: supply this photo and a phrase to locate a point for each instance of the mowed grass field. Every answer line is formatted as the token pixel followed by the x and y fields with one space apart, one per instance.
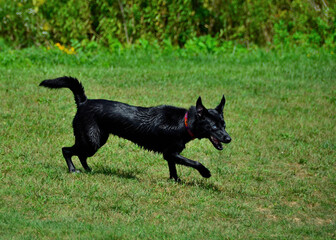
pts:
pixel 275 180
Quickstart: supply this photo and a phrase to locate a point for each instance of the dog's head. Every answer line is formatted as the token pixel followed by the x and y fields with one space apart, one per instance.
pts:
pixel 210 124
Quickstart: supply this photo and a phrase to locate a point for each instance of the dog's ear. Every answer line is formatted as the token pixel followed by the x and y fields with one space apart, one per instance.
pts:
pixel 220 107
pixel 200 109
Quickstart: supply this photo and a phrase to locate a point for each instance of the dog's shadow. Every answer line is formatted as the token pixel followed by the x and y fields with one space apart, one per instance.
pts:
pixel 131 174
pixel 121 173
pixel 202 184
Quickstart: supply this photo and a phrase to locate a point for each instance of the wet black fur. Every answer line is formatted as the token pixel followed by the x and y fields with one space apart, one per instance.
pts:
pixel 160 129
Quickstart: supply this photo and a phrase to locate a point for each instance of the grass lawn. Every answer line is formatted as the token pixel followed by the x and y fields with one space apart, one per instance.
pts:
pixel 275 180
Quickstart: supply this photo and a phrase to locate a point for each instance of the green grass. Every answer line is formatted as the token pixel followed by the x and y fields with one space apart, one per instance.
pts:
pixel 275 180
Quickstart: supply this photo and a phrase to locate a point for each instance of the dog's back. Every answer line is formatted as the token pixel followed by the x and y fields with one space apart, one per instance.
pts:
pixel 153 128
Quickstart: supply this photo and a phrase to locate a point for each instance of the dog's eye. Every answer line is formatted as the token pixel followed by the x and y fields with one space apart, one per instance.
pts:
pixel 214 127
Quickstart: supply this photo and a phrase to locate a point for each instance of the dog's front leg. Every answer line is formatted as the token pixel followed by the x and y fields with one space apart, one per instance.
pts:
pixel 194 164
pixel 172 166
pixel 172 171
pixel 178 159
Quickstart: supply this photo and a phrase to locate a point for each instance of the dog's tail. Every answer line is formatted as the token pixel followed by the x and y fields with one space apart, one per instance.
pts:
pixel 67 82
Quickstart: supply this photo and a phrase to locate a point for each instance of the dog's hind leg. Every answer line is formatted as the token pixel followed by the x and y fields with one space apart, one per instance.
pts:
pixel 68 152
pixel 88 139
pixel 84 163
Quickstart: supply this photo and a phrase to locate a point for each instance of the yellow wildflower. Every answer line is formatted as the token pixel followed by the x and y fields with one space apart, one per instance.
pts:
pixel 70 50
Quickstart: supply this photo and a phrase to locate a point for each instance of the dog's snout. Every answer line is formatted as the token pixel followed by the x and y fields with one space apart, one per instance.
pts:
pixel 227 139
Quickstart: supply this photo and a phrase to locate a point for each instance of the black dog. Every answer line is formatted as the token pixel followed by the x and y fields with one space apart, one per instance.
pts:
pixel 163 129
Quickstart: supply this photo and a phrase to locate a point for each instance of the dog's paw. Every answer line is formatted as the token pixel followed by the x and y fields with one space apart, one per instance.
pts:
pixel 176 179
pixel 75 171
pixel 205 172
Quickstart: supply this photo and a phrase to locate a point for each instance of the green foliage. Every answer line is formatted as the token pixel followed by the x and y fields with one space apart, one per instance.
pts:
pixel 90 52
pixel 254 22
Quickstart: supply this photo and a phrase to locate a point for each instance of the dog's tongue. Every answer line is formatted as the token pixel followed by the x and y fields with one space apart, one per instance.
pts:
pixel 216 143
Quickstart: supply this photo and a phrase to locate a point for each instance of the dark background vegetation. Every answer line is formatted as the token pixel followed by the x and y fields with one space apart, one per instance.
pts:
pixel 111 23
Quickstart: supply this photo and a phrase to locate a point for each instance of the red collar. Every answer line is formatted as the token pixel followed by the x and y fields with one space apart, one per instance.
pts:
pixel 186 125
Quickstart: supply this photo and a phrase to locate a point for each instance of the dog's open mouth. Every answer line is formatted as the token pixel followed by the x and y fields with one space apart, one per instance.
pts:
pixel 217 144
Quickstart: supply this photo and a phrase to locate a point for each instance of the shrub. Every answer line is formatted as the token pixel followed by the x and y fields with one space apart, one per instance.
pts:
pixel 180 22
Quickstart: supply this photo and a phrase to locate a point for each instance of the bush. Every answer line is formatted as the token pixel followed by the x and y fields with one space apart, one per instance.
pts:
pixel 179 22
